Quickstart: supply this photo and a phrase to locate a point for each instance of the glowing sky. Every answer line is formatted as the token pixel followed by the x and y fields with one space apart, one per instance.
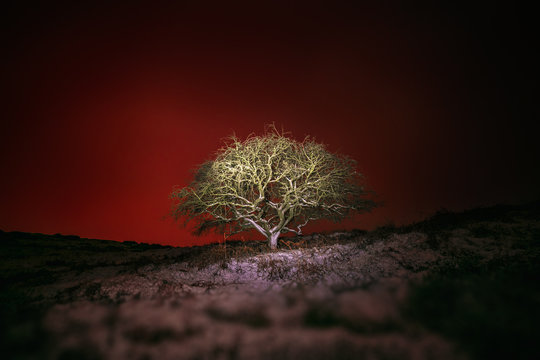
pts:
pixel 107 107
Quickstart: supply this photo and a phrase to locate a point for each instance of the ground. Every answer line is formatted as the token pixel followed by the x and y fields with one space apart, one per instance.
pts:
pixel 455 286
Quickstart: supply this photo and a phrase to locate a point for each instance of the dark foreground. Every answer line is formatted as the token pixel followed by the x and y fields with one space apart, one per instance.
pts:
pixel 456 286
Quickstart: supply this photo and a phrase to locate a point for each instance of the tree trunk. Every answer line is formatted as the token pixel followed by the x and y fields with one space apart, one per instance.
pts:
pixel 272 240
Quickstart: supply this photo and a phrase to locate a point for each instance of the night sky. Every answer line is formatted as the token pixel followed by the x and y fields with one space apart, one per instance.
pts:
pixel 107 107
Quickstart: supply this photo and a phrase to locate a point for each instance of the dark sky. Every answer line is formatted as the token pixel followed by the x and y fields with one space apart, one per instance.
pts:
pixel 107 107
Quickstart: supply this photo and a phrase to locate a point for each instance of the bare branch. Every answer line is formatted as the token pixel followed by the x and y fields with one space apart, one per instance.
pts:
pixel 273 184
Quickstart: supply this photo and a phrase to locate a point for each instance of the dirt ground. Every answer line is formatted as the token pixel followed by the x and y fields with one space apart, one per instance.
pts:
pixel 354 295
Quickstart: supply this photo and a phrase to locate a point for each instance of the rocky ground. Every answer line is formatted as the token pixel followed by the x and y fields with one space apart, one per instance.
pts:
pixel 456 286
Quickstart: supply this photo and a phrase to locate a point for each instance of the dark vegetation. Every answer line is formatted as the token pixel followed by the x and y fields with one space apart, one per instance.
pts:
pixel 489 306
pixel 482 292
pixel 491 309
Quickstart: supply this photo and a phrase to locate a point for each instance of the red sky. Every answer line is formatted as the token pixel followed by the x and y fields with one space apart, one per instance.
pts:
pixel 106 108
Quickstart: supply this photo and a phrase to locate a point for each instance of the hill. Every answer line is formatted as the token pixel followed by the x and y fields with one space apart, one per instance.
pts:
pixel 455 286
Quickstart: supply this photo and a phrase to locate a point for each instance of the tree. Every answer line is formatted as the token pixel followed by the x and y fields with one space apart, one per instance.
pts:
pixel 273 184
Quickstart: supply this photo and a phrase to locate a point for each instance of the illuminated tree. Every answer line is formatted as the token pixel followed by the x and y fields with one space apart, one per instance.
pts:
pixel 270 183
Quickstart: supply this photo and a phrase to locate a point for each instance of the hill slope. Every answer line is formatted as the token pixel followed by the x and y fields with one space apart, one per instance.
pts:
pixel 454 286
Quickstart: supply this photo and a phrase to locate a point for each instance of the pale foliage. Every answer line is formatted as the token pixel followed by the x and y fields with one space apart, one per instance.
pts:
pixel 271 183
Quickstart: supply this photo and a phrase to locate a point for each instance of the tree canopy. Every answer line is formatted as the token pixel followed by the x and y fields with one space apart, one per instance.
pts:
pixel 271 183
